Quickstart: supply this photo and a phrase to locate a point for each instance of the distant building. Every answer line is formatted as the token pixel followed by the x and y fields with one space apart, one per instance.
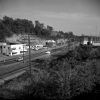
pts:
pixel 92 40
pixel 37 47
pixel 85 41
pixel 61 41
pixel 1 45
pixel 13 49
pixel 96 41
pixel 50 43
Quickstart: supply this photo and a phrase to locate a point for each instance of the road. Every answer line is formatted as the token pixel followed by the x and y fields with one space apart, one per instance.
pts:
pixel 12 65
pixel 13 59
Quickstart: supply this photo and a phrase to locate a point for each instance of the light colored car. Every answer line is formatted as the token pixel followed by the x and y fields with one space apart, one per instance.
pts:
pixel 48 52
pixel 20 59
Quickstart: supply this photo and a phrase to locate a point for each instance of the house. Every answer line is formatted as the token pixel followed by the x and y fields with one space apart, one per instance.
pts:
pixel 13 49
pixel 50 43
pixel 87 40
pixel 39 46
pixel 61 41
pixel 96 41
pixel 1 44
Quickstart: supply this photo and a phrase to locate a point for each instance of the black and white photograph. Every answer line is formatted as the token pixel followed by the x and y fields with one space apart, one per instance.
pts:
pixel 49 49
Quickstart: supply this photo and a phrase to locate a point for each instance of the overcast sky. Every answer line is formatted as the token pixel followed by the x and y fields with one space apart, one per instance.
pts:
pixel 79 16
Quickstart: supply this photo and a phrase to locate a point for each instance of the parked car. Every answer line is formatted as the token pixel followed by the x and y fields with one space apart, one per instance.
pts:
pixel 20 59
pixel 48 52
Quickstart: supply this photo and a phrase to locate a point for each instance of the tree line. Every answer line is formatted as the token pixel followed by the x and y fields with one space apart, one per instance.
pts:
pixel 10 26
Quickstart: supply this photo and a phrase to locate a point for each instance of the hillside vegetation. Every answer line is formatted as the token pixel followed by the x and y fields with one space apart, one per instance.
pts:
pixel 10 26
pixel 64 77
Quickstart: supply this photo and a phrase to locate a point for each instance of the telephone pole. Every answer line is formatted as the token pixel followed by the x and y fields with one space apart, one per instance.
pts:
pixel 23 48
pixel 23 53
pixel 29 54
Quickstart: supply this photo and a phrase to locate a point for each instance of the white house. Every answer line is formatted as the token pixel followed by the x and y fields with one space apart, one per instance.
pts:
pixel 50 43
pixel 96 41
pixel 85 41
pixel 39 46
pixel 13 49
pixel 96 44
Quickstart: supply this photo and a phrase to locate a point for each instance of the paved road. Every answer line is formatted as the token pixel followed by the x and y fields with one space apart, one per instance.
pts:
pixel 13 59
pixel 18 65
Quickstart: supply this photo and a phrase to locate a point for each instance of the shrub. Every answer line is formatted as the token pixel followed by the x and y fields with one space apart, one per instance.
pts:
pixel 83 78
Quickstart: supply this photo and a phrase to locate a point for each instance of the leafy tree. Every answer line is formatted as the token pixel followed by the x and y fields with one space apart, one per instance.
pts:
pixel 10 26
pixel 4 31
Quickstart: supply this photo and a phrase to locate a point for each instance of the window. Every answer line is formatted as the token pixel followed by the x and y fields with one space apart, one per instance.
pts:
pixel 14 53
pixel 13 48
pixel 8 47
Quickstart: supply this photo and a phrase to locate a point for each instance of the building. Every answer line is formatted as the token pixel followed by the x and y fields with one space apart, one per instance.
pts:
pixel 1 45
pixel 85 41
pixel 13 49
pixel 96 41
pixel 39 46
pixel 50 43
pixel 92 40
pixel 61 41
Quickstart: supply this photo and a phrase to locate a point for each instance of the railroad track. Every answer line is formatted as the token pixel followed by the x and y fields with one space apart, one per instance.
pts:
pixel 7 75
pixel 15 73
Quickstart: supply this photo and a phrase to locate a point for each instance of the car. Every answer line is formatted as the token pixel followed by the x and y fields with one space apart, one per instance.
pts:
pixel 20 59
pixel 48 52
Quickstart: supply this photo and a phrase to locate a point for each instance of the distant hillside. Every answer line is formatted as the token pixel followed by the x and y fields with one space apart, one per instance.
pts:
pixel 10 27
pixel 24 39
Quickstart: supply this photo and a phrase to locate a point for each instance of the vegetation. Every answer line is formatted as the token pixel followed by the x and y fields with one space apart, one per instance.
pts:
pixel 62 78
pixel 10 26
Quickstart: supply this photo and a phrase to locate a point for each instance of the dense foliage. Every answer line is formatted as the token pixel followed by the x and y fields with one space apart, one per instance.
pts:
pixel 68 76
pixel 10 26
pixel 63 77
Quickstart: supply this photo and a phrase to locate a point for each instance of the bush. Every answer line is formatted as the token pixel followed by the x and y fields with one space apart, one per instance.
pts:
pixel 62 78
pixel 83 79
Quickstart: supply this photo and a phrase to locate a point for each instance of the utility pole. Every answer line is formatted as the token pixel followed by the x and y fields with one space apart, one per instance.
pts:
pixel 23 53
pixel 29 54
pixel 23 49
